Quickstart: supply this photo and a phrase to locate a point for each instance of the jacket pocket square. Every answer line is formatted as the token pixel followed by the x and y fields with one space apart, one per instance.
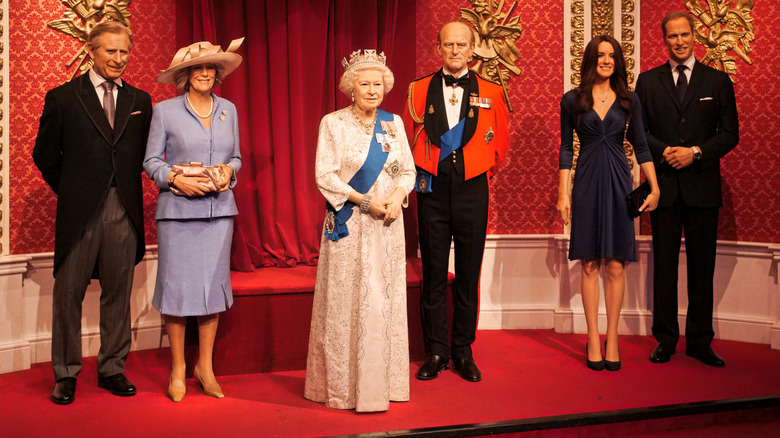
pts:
pixel 139 112
pixel 705 98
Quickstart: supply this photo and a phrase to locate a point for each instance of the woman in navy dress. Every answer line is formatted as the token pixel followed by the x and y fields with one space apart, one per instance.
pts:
pixel 602 232
pixel 194 225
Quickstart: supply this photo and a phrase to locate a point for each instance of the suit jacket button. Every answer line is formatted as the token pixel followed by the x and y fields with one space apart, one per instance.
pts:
pixel 682 120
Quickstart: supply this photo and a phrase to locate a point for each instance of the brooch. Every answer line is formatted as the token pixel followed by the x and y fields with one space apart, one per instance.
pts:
pixel 394 168
pixel 382 139
pixel 489 135
pixel 222 117
pixel 330 222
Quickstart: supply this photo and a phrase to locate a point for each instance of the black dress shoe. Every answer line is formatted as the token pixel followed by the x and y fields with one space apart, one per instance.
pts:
pixel 707 356
pixel 64 391
pixel 608 364
pixel 467 369
pixel 595 365
pixel 432 367
pixel 662 353
pixel 117 384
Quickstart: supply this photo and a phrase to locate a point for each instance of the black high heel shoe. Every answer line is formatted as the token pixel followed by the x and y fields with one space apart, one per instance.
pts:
pixel 597 365
pixel 608 364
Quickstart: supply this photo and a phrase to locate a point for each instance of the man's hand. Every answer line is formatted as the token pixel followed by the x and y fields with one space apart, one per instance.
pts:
pixel 678 157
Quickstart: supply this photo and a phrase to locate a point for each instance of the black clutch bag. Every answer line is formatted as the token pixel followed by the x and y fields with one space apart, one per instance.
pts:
pixel 635 199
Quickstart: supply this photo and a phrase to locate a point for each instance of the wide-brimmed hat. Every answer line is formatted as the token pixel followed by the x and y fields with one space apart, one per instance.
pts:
pixel 202 53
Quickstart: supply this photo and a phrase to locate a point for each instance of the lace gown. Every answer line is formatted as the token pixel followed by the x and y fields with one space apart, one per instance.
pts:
pixel 600 224
pixel 358 346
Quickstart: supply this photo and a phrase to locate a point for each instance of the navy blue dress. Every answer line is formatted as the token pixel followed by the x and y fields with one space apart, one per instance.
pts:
pixel 600 224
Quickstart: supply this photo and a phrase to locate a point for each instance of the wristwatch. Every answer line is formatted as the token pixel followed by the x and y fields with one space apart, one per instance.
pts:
pixel 696 153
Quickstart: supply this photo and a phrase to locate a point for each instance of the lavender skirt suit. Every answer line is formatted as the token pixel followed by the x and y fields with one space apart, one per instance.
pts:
pixel 194 234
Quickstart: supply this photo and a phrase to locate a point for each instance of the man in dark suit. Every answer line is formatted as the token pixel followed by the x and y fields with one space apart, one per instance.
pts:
pixel 90 150
pixel 458 125
pixel 690 115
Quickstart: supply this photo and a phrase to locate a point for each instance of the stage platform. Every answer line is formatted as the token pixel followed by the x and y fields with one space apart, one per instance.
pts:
pixel 535 383
pixel 267 329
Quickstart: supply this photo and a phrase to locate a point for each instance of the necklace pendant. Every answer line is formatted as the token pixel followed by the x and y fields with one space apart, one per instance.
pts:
pixel 368 131
pixel 453 100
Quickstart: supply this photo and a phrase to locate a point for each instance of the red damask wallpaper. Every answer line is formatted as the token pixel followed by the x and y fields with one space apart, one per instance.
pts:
pixel 525 188
pixel 37 57
pixel 750 184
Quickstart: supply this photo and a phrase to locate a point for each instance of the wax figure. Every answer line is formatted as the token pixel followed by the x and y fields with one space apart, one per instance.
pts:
pixel 690 115
pixel 458 125
pixel 359 345
pixel 194 221
pixel 602 232
pixel 89 149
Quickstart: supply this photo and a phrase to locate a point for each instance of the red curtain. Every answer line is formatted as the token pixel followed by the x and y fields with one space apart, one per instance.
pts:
pixel 285 85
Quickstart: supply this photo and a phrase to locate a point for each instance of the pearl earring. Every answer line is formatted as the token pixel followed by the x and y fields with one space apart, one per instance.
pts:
pixel 353 97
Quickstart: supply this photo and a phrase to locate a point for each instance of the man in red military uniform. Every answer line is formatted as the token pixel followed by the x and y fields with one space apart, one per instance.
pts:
pixel 457 122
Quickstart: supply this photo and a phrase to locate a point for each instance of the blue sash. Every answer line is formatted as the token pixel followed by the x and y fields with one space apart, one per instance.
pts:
pixel 336 221
pixel 451 140
pixel 448 143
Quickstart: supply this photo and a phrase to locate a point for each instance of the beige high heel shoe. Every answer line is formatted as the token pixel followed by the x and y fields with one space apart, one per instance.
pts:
pixel 176 393
pixel 212 389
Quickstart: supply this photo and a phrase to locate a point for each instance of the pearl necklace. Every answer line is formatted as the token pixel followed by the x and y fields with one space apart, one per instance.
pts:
pixel 369 126
pixel 211 107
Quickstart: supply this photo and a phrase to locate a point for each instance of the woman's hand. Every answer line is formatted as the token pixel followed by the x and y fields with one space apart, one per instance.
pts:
pixel 227 174
pixel 564 208
pixel 393 205
pixel 191 185
pixel 377 209
pixel 651 202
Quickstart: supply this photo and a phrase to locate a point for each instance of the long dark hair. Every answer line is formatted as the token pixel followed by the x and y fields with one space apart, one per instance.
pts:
pixel 618 81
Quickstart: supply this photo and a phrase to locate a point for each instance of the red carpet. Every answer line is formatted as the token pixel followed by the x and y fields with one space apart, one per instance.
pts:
pixel 526 374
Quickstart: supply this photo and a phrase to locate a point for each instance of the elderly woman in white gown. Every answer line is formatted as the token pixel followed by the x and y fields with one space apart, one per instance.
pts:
pixel 359 347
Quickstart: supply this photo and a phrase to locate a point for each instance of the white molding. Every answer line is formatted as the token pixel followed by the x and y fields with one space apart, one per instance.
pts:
pixel 527 283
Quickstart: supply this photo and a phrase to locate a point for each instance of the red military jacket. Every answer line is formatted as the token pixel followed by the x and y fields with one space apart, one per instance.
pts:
pixel 486 134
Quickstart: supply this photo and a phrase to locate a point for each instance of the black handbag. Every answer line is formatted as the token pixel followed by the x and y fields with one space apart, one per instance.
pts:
pixel 635 199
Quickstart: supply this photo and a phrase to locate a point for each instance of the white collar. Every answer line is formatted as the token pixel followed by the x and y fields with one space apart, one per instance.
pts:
pixel 97 80
pixel 690 62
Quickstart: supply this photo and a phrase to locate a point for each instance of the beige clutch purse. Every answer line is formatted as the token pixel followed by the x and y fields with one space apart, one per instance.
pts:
pixel 196 168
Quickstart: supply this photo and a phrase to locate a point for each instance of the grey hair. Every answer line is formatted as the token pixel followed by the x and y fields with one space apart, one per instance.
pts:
pixel 348 79
pixel 110 26
pixel 181 77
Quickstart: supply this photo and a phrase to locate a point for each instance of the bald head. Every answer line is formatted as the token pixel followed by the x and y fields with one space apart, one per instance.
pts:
pixel 455 46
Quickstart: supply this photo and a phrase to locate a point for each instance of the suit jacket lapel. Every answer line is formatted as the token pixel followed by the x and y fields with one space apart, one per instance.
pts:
pixel 436 123
pixel 87 96
pixel 668 82
pixel 125 101
pixel 471 120
pixel 697 79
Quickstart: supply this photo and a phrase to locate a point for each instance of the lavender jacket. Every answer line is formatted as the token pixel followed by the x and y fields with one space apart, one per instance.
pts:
pixel 177 136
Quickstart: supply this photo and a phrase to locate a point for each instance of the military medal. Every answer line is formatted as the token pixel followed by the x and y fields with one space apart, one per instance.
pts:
pixel 489 134
pixel 454 99
pixel 423 185
pixel 471 113
pixel 430 110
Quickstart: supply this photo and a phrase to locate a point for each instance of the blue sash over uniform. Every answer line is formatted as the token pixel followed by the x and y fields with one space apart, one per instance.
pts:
pixel 449 142
pixel 336 221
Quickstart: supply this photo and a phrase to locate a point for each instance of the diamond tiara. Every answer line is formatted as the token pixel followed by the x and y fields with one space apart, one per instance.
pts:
pixel 367 58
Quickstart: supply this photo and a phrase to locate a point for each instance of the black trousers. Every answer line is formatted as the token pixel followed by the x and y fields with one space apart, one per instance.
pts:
pixel 109 242
pixel 700 226
pixel 456 210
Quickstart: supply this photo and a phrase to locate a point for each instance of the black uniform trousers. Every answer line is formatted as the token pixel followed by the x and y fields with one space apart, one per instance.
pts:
pixel 456 210
pixel 701 231
pixel 108 243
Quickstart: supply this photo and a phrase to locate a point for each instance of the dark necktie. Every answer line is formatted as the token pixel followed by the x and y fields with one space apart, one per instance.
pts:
pixel 461 82
pixel 682 82
pixel 108 101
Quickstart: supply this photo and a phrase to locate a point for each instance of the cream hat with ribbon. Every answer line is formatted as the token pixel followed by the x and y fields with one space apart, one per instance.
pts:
pixel 202 53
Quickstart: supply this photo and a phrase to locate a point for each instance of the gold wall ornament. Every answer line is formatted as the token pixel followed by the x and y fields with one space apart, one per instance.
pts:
pixel 724 26
pixel 83 15
pixel 495 35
